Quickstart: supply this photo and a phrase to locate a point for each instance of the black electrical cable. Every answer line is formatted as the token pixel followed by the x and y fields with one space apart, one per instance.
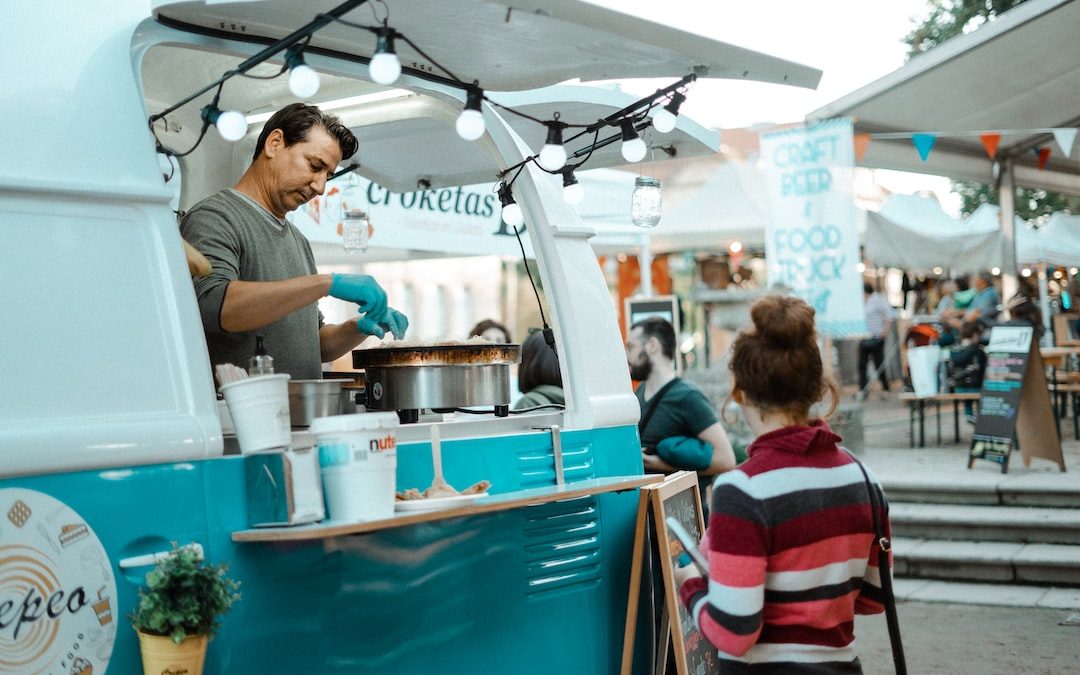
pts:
pixel 491 411
pixel 549 335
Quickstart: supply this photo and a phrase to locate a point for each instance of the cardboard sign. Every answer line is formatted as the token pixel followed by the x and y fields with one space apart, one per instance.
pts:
pixel 811 236
pixel 677 497
pixel 1014 404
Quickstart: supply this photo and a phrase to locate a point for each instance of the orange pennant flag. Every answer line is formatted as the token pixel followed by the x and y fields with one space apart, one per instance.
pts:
pixel 990 143
pixel 861 142
pixel 1044 155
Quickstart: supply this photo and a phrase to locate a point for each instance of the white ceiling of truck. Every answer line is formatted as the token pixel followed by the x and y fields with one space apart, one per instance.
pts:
pixel 534 43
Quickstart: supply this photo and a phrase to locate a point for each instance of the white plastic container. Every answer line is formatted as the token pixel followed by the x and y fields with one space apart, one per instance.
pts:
pixel 358 454
pixel 923 363
pixel 259 407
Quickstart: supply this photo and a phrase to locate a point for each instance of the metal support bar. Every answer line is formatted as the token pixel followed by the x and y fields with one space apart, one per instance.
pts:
pixel 556 446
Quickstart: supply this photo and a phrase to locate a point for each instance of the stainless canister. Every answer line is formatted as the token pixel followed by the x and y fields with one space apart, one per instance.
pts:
pixel 309 399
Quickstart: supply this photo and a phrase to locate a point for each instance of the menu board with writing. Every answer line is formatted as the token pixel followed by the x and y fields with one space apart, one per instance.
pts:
pixel 1014 405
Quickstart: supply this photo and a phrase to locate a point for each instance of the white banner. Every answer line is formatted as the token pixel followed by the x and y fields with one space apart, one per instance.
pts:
pixel 458 220
pixel 811 238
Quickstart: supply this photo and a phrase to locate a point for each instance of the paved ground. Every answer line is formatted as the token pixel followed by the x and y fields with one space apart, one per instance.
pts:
pixel 943 636
pixel 972 639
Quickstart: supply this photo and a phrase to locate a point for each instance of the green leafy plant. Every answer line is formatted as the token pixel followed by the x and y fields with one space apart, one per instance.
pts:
pixel 184 596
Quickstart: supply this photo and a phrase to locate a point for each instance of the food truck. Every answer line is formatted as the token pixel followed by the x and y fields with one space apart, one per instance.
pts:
pixel 111 446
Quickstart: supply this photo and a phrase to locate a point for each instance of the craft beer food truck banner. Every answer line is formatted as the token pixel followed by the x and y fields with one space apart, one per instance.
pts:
pixel 811 238
pixel 458 220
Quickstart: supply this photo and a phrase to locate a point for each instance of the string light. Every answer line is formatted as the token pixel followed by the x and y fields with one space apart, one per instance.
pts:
pixel 385 68
pixel 663 119
pixel 572 193
pixel 470 123
pixel 511 212
pixel 633 148
pixel 230 124
pixel 553 154
pixel 303 80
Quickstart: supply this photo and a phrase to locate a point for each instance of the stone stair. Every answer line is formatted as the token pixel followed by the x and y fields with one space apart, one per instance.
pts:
pixel 1004 532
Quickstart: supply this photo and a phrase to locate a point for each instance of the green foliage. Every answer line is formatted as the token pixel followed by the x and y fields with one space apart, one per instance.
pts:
pixel 184 596
pixel 949 18
pixel 1031 205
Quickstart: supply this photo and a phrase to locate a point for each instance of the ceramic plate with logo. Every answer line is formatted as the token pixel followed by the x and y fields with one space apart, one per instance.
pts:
pixel 57 590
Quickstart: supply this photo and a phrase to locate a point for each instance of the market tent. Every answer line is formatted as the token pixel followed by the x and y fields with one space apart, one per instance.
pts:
pixel 914 233
pixel 1057 242
pixel 1018 72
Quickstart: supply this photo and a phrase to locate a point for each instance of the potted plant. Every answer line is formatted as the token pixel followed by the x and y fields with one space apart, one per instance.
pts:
pixel 179 609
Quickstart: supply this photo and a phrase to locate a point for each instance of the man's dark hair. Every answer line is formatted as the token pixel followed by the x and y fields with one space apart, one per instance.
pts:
pixel 296 119
pixel 539 364
pixel 662 330
pixel 961 283
pixel 867 288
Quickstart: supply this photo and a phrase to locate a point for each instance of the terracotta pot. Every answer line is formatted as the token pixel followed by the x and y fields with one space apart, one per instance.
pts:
pixel 162 656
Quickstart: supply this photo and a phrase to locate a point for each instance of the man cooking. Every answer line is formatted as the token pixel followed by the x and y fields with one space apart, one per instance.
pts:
pixel 264 278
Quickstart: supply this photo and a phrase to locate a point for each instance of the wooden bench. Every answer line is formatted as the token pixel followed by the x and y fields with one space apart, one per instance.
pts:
pixel 917 410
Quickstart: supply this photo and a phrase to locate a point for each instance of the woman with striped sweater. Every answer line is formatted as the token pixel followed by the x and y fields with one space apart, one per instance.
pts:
pixel 790 536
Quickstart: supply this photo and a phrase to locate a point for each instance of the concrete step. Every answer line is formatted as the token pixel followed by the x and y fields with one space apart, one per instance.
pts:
pixel 1007 562
pixel 986 523
pixel 1000 595
pixel 1060 491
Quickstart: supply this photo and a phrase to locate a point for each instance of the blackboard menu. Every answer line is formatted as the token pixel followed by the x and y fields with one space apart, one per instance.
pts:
pixel 999 401
pixel 700 653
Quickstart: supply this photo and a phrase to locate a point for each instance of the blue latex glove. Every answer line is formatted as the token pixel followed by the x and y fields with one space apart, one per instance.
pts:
pixel 365 292
pixel 396 323
pixel 684 452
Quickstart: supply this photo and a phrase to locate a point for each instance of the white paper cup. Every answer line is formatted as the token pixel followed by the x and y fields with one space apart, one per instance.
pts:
pixel 359 490
pixel 259 407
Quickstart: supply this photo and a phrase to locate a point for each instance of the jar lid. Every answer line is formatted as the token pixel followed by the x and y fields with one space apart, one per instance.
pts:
pixel 646 181
pixel 336 424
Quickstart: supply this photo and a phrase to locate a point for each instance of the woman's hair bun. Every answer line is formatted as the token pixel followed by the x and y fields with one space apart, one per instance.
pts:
pixel 783 322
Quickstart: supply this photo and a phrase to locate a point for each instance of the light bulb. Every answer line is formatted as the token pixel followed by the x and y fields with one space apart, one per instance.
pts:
pixel 634 150
pixel 646 201
pixel 231 125
pixel 512 214
pixel 663 121
pixel 385 67
pixel 553 154
pixel 552 157
pixel 664 118
pixel 303 81
pixel 573 194
pixel 470 124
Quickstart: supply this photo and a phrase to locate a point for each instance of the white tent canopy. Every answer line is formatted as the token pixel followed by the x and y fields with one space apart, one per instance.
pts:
pixel 1055 243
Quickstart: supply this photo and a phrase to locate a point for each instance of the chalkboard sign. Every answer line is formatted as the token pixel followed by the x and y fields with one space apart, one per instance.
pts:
pixel 676 497
pixel 1014 406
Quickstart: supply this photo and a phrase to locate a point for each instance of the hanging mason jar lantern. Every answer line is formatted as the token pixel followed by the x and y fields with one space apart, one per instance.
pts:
pixel 646 201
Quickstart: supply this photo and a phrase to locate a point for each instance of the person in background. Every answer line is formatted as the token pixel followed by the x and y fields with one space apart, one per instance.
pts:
pixel 491 330
pixel 967 364
pixel 678 427
pixel 946 302
pixel 790 541
pixel 984 306
pixel 1023 310
pixel 539 376
pixel 878 320
pixel 263 277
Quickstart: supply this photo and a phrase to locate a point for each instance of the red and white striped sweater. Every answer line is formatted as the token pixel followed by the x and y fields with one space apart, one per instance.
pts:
pixel 792 556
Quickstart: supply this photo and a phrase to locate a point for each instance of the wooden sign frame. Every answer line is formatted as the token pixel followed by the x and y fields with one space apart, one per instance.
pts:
pixel 1034 414
pixel 651 501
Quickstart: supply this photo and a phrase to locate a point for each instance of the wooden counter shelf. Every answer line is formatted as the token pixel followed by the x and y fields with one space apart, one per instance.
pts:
pixel 492 504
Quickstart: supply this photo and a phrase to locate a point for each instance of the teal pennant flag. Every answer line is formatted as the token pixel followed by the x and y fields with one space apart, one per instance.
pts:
pixel 924 143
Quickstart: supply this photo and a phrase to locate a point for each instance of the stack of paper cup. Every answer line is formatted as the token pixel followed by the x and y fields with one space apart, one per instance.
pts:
pixel 358 454
pixel 259 407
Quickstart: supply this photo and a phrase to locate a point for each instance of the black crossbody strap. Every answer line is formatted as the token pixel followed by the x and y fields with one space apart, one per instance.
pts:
pixel 884 572
pixel 651 407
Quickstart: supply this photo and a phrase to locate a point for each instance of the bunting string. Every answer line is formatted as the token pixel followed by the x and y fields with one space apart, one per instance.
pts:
pixel 923 141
